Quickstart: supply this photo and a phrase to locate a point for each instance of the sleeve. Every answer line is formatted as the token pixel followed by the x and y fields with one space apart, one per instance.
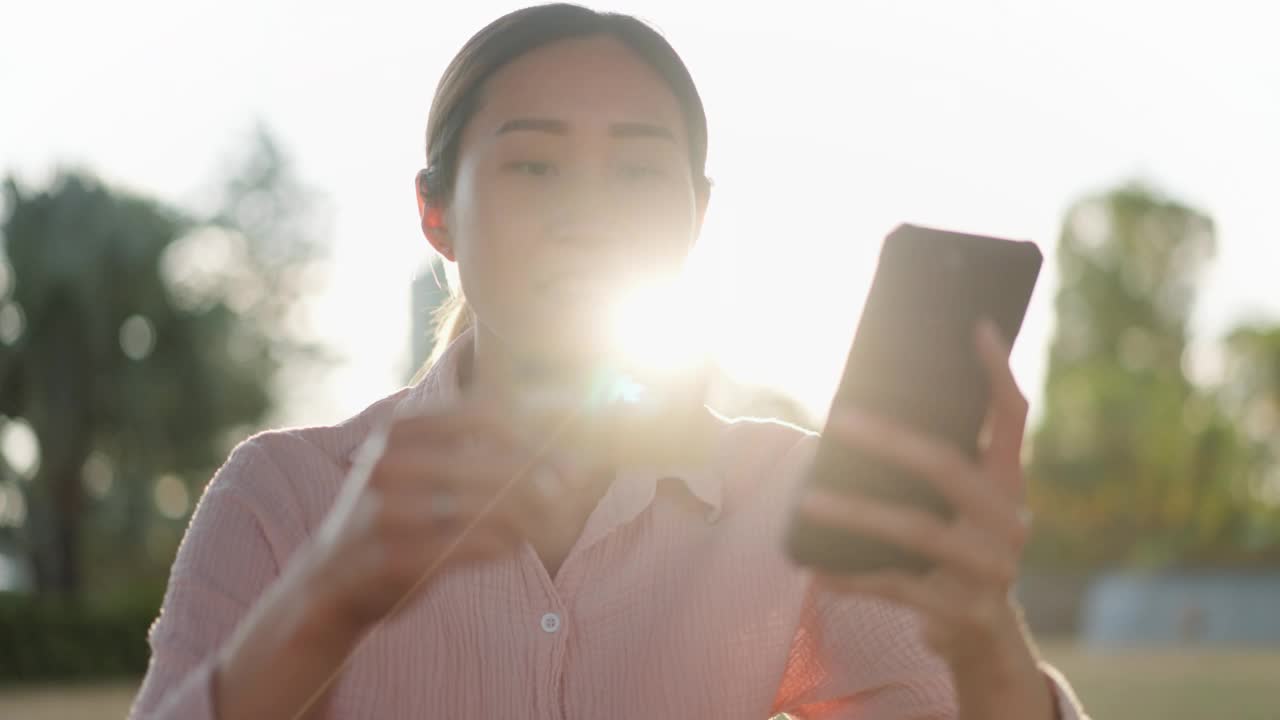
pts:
pixel 863 658
pixel 243 526
pixel 1066 703
pixel 852 656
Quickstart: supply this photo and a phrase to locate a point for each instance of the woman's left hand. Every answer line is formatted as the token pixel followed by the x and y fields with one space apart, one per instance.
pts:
pixel 965 602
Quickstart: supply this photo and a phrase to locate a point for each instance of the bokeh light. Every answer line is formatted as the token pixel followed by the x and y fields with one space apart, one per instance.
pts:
pixel 12 323
pixel 171 496
pixel 98 475
pixel 21 447
pixel 137 337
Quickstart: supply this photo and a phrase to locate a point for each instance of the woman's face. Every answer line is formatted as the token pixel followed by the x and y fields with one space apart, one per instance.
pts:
pixel 573 183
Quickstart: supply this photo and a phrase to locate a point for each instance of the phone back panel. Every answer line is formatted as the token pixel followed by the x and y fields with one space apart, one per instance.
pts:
pixel 914 360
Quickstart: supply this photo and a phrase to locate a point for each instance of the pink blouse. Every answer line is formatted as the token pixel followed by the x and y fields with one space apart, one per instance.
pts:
pixel 675 602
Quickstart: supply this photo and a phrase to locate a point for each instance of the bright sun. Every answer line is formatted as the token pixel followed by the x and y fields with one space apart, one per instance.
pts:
pixel 661 327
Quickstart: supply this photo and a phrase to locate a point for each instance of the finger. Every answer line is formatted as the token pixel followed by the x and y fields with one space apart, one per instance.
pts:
pixel 412 563
pixel 945 468
pixel 994 352
pixel 367 456
pixel 517 494
pixel 417 470
pixel 468 418
pixel 1009 407
pixel 958 545
pixel 895 586
pixel 477 544
pixel 428 515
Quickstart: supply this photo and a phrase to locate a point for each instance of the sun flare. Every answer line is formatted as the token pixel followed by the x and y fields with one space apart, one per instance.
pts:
pixel 660 326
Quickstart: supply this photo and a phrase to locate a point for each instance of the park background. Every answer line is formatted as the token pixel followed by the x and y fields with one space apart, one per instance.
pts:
pixel 208 229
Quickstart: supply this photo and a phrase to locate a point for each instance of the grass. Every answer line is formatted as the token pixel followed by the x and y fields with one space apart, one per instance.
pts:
pixel 67 702
pixel 1172 684
pixel 1131 685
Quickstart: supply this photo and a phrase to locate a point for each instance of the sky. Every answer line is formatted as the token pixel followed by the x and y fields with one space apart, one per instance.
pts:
pixel 829 124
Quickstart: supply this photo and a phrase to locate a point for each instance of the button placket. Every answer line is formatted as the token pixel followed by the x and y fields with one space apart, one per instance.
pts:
pixel 552 624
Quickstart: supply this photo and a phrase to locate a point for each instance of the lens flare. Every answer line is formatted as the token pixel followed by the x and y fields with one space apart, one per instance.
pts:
pixel 658 327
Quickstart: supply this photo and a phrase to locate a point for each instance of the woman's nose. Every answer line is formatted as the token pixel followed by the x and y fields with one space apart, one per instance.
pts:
pixel 588 212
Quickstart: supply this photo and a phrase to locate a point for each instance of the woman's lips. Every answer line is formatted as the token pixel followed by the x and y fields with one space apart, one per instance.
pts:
pixel 580 287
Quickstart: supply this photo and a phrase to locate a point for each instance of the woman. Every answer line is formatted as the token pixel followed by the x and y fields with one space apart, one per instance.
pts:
pixel 429 557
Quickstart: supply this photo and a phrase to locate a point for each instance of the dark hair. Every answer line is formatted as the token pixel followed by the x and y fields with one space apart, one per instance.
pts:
pixel 458 96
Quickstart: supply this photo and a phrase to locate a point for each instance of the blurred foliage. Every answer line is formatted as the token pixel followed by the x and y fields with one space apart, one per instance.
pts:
pixel 149 341
pixel 1133 464
pixel 1251 393
pixel 62 638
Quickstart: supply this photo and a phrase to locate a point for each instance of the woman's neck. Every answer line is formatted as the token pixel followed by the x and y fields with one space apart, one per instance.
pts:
pixel 526 387
pixel 541 399
pixel 556 406
pixel 495 372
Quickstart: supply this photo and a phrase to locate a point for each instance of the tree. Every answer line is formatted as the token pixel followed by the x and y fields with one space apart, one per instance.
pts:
pixel 1132 463
pixel 151 338
pixel 1251 392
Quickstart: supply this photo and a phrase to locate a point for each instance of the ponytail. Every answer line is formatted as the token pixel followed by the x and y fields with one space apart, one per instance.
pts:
pixel 449 321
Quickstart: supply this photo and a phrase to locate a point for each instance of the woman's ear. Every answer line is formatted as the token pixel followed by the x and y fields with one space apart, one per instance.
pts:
pixel 702 197
pixel 431 216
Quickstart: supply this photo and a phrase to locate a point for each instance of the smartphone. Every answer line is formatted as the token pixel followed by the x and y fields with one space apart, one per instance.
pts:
pixel 913 360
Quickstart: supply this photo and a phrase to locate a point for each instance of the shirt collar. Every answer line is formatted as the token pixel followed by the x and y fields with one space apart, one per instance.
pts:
pixel 634 487
pixel 707 484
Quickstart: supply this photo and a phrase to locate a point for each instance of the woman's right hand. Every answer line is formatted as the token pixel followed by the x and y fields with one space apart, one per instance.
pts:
pixel 431 491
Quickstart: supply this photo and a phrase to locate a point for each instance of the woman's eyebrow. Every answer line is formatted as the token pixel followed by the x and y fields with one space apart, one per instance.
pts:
pixel 552 126
pixel 546 125
pixel 641 130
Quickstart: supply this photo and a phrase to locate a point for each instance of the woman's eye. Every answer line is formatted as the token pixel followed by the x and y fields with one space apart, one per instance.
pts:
pixel 640 172
pixel 533 168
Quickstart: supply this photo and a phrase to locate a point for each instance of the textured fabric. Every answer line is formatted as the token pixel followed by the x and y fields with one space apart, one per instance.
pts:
pixel 676 601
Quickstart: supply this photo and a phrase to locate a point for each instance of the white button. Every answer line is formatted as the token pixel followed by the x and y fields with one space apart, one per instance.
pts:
pixel 550 622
